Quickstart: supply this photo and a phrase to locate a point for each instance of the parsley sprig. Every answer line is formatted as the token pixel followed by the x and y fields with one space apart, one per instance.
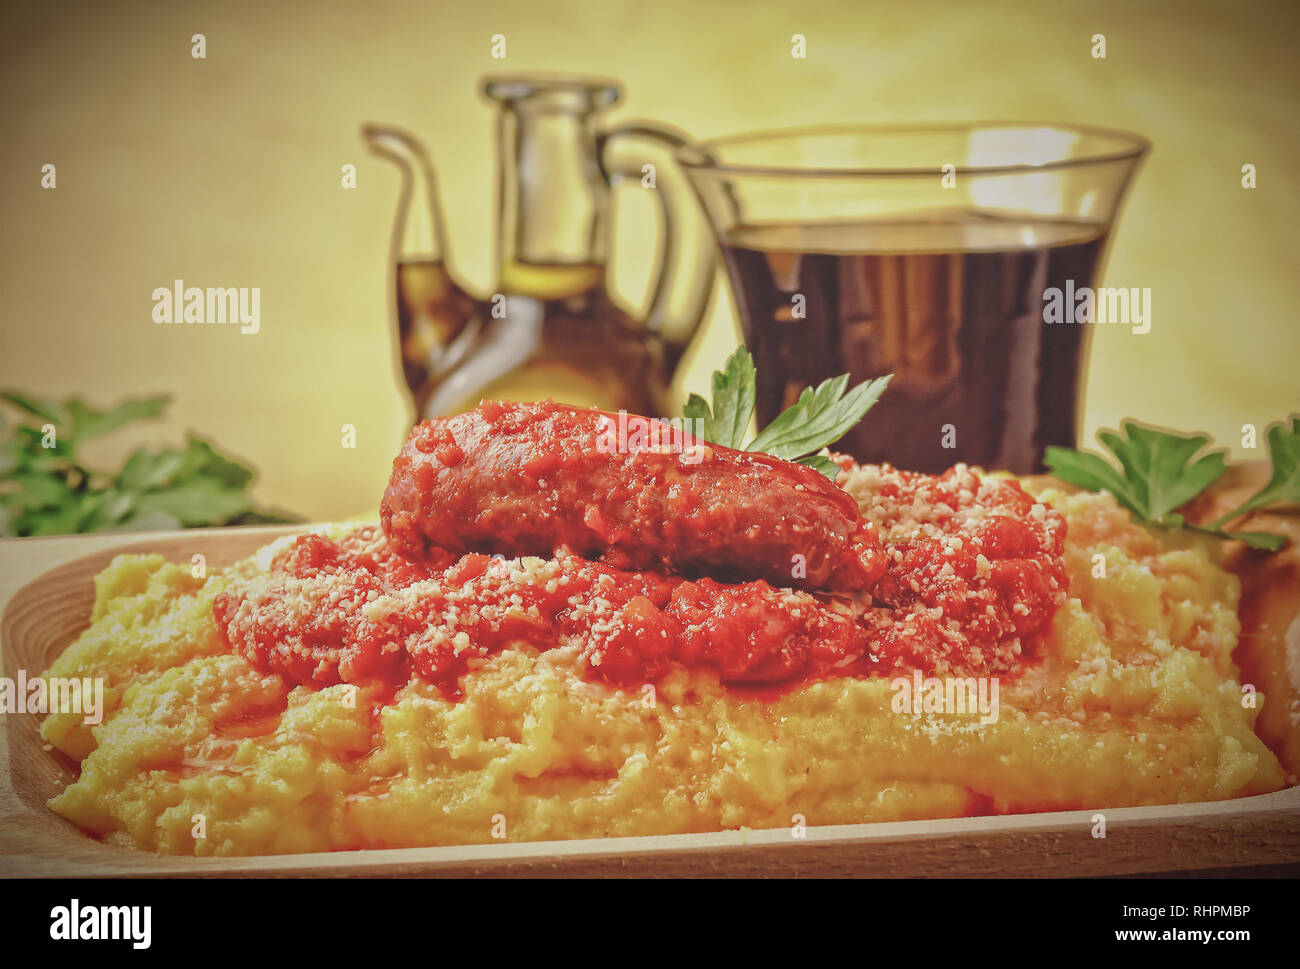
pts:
pixel 821 416
pixel 46 488
pixel 1160 471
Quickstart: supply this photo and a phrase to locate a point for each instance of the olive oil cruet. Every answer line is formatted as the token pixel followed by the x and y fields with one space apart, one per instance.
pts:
pixel 552 327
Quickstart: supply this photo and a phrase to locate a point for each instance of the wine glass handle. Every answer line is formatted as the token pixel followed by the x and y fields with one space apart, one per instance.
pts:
pixel 642 153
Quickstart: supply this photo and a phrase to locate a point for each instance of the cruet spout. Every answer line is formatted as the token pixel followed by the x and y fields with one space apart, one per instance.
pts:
pixel 437 321
pixel 418 232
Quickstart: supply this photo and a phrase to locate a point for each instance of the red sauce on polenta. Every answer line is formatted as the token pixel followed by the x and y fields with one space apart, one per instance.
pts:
pixel 974 574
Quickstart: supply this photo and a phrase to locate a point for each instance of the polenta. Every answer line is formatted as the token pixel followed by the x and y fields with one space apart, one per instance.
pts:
pixel 412 727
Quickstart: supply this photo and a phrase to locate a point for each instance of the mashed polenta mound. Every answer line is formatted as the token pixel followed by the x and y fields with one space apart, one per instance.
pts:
pixel 1131 698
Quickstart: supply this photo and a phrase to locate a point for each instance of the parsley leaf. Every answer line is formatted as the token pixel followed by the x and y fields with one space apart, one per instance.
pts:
pixel 819 462
pixel 1087 470
pixel 1159 468
pixel 1160 471
pixel 821 415
pixel 1157 473
pixel 46 410
pixel 90 422
pixel 1284 485
pixel 196 502
pixel 1261 540
pixel 727 423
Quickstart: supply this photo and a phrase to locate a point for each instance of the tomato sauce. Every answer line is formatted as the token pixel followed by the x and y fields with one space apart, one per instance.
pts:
pixel 974 573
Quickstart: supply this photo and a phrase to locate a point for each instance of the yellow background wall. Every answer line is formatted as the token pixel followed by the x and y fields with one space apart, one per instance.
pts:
pixel 226 172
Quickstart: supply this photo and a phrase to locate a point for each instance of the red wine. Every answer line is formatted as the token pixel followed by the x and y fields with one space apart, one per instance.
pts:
pixel 952 306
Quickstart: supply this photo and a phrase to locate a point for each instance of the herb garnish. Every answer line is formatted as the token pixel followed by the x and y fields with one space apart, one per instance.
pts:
pixel 46 489
pixel 821 415
pixel 1157 474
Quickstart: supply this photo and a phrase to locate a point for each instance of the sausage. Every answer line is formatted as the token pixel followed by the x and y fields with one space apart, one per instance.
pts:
pixel 524 479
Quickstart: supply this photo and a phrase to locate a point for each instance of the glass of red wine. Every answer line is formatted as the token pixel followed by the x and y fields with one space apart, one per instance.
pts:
pixel 930 253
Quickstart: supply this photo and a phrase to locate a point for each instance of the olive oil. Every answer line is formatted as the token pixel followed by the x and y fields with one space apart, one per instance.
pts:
pixel 554 333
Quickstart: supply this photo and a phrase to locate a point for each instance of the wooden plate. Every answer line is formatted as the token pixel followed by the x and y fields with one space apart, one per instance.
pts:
pixel 46 592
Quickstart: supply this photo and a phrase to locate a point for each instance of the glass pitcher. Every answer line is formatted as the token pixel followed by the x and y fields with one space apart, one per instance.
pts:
pixel 554 329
